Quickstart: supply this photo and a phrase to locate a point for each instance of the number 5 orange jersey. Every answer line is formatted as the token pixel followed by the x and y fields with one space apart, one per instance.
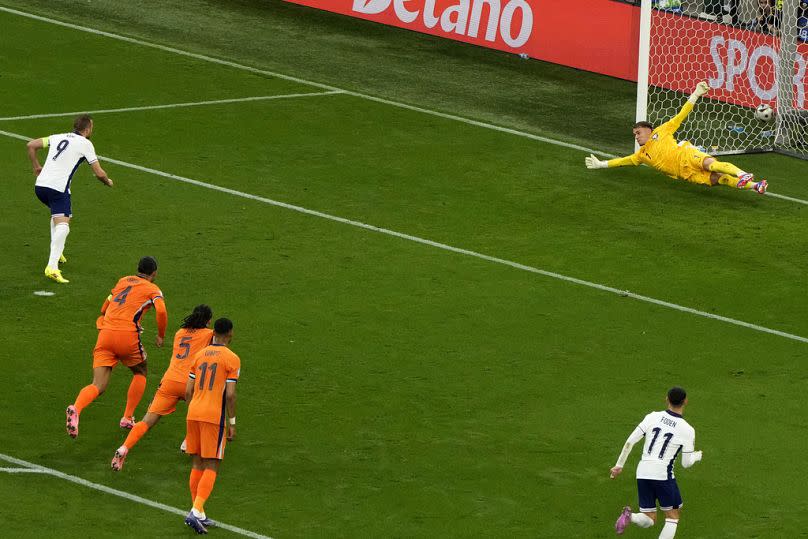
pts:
pixel 131 297
pixel 187 342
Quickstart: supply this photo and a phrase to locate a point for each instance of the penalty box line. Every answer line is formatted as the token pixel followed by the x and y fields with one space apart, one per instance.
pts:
pixel 36 468
pixel 446 247
pixel 174 105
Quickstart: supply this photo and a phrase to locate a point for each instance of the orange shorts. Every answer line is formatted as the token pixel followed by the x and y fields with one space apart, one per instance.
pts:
pixel 166 397
pixel 205 439
pixel 114 346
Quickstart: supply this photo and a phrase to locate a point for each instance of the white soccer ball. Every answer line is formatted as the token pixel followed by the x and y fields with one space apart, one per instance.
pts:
pixel 764 113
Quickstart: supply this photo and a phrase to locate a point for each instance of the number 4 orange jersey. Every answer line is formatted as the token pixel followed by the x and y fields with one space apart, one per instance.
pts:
pixel 187 342
pixel 131 297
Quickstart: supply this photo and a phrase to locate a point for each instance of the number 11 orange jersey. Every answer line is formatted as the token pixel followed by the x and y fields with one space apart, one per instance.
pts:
pixel 214 366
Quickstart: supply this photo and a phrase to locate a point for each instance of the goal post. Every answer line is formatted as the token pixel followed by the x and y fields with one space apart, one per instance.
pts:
pixel 748 57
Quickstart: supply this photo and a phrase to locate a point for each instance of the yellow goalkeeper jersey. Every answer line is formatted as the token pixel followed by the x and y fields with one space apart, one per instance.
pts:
pixel 662 151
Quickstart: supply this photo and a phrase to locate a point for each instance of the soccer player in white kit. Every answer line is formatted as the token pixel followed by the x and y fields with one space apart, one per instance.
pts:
pixel 666 435
pixel 66 152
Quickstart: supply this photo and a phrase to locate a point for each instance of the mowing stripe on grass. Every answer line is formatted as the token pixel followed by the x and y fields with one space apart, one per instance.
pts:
pixel 173 105
pixel 36 468
pixel 334 89
pixel 443 246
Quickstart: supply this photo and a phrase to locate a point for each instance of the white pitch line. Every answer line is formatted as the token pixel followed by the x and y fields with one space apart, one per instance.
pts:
pixel 791 199
pixel 36 468
pixel 21 470
pixel 235 65
pixel 174 105
pixel 443 246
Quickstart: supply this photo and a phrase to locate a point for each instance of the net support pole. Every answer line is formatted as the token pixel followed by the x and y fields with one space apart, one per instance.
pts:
pixel 785 71
pixel 644 53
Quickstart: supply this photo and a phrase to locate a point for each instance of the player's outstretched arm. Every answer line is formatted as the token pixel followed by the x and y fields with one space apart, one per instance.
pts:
pixel 33 146
pixel 101 175
pixel 593 162
pixel 701 89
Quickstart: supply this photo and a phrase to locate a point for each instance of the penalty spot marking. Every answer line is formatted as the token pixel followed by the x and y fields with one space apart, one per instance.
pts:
pixel 36 468
pixel 44 293
pixel 446 247
pixel 235 65
pixel 174 105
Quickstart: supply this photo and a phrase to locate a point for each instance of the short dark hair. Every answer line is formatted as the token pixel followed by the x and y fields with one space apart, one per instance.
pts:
pixel 82 122
pixel 222 326
pixel 199 318
pixel 147 265
pixel 649 125
pixel 676 396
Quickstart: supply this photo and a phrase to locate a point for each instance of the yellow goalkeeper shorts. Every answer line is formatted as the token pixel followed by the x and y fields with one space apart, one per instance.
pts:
pixel 690 165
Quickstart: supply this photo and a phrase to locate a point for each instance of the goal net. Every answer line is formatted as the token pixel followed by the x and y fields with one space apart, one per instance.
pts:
pixel 751 52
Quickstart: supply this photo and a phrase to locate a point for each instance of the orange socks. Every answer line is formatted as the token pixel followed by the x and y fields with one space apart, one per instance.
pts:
pixel 136 434
pixel 193 482
pixel 203 489
pixel 87 395
pixel 135 393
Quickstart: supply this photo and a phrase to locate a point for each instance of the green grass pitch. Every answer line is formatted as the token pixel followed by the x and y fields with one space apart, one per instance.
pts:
pixel 389 388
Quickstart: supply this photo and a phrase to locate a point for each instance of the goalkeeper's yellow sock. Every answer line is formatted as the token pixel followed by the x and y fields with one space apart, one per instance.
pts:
pixel 732 181
pixel 725 168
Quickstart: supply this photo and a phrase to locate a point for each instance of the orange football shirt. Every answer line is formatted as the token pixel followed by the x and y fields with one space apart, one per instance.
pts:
pixel 187 342
pixel 131 297
pixel 214 366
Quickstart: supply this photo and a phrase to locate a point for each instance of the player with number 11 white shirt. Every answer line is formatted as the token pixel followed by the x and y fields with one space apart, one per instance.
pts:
pixel 66 152
pixel 666 435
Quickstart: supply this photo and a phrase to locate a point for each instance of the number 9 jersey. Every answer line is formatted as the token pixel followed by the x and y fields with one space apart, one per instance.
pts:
pixel 666 435
pixel 66 152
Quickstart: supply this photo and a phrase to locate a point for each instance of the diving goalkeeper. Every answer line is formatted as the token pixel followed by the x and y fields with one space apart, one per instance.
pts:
pixel 681 160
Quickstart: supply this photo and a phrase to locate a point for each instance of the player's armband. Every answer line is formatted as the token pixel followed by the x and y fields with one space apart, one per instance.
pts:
pixel 45 142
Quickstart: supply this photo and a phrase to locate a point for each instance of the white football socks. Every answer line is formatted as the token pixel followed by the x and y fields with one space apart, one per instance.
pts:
pixel 59 234
pixel 642 520
pixel 670 528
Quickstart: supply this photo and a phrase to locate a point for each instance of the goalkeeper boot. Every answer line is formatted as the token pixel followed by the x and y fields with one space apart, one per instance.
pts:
pixel 744 179
pixel 761 187
pixel 623 521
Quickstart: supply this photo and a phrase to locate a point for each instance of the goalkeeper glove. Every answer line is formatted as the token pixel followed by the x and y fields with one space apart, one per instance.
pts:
pixel 594 162
pixel 701 89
